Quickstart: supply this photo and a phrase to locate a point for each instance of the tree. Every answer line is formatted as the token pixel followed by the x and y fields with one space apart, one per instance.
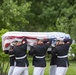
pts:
pixel 12 14
pixel 42 15
pixel 73 51
pixel 66 21
pixel 3 56
pixel 38 15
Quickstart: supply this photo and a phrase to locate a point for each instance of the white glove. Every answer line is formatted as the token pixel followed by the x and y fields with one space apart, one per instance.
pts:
pixel 31 44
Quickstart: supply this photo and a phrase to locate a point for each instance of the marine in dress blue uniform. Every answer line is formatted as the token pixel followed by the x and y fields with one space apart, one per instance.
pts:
pixel 38 52
pixel 20 52
pixel 62 55
pixel 11 58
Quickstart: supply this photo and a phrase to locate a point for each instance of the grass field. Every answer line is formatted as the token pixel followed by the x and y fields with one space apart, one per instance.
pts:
pixel 71 69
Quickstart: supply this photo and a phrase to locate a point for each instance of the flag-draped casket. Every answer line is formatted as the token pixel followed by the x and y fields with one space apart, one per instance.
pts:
pixel 31 37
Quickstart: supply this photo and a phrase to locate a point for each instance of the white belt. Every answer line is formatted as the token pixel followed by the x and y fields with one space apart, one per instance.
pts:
pixel 62 56
pixel 39 56
pixel 11 55
pixel 20 57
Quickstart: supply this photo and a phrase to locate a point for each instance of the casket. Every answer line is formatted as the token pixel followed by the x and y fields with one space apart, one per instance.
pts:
pixel 31 37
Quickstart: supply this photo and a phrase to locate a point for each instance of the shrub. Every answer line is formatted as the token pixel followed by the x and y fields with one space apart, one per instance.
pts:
pixel 73 51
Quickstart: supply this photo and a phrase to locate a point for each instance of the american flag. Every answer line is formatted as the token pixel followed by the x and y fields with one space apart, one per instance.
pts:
pixel 31 37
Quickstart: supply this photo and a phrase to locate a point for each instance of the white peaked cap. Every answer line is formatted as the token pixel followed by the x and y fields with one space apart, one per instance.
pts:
pixel 31 44
pixel 17 40
pixel 60 39
pixel 11 44
pixel 40 38
pixel 67 36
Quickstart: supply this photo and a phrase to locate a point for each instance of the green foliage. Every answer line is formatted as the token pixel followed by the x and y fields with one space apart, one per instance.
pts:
pixel 42 15
pixel 73 51
pixel 3 56
pixel 66 21
pixel 52 15
pixel 73 48
pixel 39 15
pixel 13 15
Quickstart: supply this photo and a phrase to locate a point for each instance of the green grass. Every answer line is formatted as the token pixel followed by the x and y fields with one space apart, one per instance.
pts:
pixel 71 69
